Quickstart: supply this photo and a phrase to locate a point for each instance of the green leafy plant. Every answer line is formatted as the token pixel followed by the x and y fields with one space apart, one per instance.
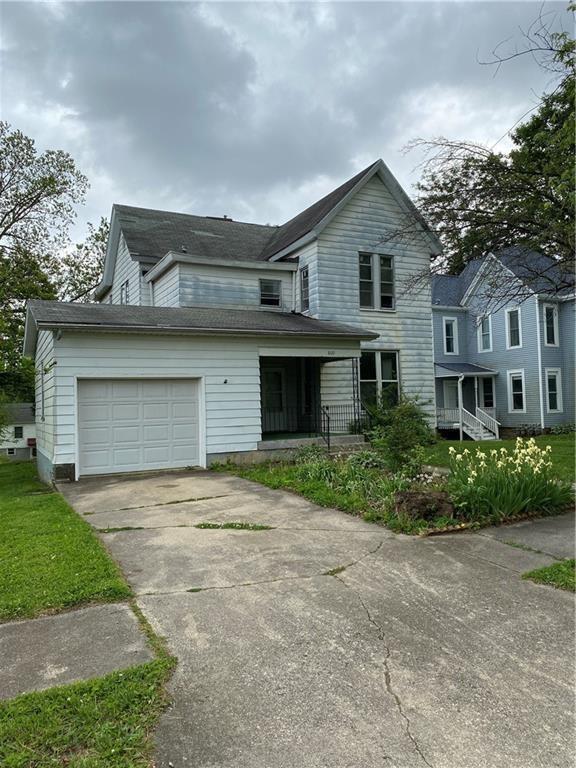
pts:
pixel 500 484
pixel 400 434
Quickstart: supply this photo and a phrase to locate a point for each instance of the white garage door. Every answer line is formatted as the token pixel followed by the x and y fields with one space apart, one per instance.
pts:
pixel 126 425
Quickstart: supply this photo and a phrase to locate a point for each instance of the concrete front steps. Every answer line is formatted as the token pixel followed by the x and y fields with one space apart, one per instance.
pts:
pixel 478 433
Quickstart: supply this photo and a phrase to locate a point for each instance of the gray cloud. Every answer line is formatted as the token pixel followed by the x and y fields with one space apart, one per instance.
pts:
pixel 254 109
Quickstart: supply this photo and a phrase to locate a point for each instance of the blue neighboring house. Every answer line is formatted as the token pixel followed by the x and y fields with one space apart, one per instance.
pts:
pixel 504 345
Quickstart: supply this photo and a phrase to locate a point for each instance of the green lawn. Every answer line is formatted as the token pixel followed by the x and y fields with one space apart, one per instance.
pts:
pixel 101 723
pixel 563 454
pixel 561 575
pixel 49 557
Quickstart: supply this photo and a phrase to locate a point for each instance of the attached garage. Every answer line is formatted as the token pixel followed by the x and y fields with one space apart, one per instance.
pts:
pixel 129 425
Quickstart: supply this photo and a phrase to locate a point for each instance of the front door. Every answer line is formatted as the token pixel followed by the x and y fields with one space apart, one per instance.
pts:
pixel 451 394
pixel 273 385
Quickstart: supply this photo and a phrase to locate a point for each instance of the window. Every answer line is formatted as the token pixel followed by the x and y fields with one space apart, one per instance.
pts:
pixel 553 390
pixel 379 377
pixel 487 393
pixel 304 290
pixel 450 335
pixel 485 334
pixel 376 281
pixel 270 293
pixel 551 325
pixel 10 451
pixel 18 433
pixel 516 396
pixel 513 329
pixel 125 292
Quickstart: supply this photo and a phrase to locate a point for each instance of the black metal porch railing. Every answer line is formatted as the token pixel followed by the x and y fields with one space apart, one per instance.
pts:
pixel 326 421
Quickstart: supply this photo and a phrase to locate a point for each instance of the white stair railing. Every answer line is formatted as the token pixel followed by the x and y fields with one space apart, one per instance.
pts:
pixel 448 415
pixel 471 422
pixel 489 422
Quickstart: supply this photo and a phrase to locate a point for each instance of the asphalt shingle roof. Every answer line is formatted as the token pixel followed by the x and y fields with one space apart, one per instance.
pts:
pixel 538 272
pixel 448 290
pixel 235 321
pixel 466 368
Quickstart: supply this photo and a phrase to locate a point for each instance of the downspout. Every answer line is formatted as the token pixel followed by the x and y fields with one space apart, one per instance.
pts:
pixel 540 387
pixel 460 380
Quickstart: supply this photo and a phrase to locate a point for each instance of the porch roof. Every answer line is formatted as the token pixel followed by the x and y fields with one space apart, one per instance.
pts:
pixel 444 370
pixel 193 320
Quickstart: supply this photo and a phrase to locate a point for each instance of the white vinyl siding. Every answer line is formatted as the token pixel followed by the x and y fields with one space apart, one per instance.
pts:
pixel 359 228
pixel 554 400
pixel 166 289
pixel 127 272
pixel 550 325
pixel 516 391
pixel 514 328
pixel 45 394
pixel 304 288
pixel 450 326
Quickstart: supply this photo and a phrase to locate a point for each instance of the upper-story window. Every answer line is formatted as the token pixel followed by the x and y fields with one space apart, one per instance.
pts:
pixel 270 293
pixel 376 281
pixel 551 338
pixel 379 377
pixel 485 334
pixel 450 335
pixel 18 433
pixel 513 328
pixel 304 289
pixel 125 292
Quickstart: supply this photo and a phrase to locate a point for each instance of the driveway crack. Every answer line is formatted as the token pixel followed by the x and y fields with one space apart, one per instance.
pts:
pixel 387 673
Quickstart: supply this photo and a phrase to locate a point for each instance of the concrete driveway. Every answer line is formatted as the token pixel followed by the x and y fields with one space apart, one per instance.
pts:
pixel 327 642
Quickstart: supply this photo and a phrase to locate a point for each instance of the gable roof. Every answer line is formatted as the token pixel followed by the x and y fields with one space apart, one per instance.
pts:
pixel 448 290
pixel 537 271
pixel 150 234
pixel 193 320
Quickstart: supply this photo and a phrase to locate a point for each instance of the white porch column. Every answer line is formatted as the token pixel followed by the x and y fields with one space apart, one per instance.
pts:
pixel 475 394
pixel 460 380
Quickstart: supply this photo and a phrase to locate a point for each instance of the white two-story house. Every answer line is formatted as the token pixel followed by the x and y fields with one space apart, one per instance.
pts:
pixel 213 337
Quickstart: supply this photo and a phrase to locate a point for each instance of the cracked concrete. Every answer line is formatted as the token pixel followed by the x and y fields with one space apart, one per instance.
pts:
pixel 331 642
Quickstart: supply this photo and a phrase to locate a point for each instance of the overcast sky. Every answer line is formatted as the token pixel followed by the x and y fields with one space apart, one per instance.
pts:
pixel 255 110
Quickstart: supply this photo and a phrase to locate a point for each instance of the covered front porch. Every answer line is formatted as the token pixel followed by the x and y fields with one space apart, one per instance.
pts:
pixel 465 400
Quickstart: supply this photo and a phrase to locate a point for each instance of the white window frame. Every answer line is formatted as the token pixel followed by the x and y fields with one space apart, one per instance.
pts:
pixel 376 281
pixel 558 373
pixel 379 381
pixel 479 333
pixel 271 280
pixel 445 320
pixel 509 375
pixel 554 308
pixel 508 311
pixel 125 292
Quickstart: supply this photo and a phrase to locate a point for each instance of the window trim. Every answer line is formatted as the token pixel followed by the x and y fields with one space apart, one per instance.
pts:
pixel 554 308
pixel 125 292
pixel 481 318
pixel 560 399
pixel 379 380
pixel 453 319
pixel 509 375
pixel 508 311
pixel 21 435
pixel 10 451
pixel 271 280
pixel 375 263
pixel 305 294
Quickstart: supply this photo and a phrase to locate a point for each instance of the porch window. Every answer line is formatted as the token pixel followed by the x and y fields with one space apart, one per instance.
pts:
pixel 304 289
pixel 487 390
pixel 450 335
pixel 270 293
pixel 376 281
pixel 554 390
pixel 485 334
pixel 516 394
pixel 551 325
pixel 379 377
pixel 513 328
pixel 18 433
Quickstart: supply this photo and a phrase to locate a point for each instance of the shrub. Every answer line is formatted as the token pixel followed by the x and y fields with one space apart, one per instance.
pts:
pixel 310 453
pixel 366 460
pixel 400 433
pixel 563 429
pixel 505 483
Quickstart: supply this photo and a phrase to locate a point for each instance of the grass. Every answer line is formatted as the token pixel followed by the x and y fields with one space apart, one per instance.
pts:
pixel 561 575
pixel 563 453
pixel 49 557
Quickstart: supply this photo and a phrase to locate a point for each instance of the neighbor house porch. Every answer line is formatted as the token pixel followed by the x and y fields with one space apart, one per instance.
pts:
pixel 465 400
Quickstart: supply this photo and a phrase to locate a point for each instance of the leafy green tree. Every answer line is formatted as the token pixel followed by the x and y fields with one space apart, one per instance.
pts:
pixel 81 268
pixel 481 200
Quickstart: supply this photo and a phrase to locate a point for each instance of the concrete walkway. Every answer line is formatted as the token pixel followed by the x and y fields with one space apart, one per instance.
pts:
pixel 327 641
pixel 68 647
